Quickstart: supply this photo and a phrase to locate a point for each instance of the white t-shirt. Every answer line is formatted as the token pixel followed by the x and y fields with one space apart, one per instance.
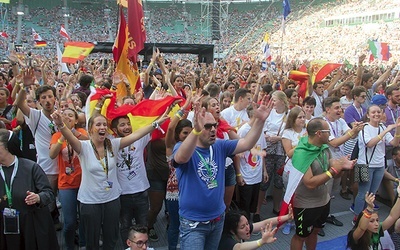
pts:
pixel 273 123
pixel 42 129
pixel 134 179
pixel 95 187
pixel 338 128
pixel 378 159
pixel 251 165
pixel 344 102
pixel 235 117
pixel 294 137
pixel 320 101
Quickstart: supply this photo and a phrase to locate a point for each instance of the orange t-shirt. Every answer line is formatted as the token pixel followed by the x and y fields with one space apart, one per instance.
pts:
pixel 68 162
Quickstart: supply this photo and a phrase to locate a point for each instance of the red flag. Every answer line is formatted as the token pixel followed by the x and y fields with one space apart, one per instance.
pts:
pixel 63 32
pixel 136 28
pixel 4 34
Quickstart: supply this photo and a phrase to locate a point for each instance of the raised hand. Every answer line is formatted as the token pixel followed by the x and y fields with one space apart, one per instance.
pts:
pixel 369 199
pixel 28 77
pixel 268 234
pixel 57 117
pixel 265 108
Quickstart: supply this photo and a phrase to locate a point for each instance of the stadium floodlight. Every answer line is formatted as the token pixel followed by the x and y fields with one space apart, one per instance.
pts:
pixel 20 13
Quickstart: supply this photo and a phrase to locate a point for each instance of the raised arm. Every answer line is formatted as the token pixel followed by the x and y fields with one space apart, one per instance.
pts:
pixel 66 132
pixel 394 213
pixel 360 68
pixel 364 221
pixel 28 81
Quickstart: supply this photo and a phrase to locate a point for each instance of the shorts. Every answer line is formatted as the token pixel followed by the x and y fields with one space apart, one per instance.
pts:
pixel 273 163
pixel 308 218
pixel 157 186
pixel 230 176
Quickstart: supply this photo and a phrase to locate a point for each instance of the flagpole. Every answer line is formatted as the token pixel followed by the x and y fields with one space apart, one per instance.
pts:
pixel 283 31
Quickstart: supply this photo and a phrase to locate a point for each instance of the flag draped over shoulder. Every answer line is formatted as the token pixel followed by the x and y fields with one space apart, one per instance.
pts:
pixel 304 154
pixel 120 53
pixel 322 68
pixel 379 50
pixel 137 30
pixel 74 51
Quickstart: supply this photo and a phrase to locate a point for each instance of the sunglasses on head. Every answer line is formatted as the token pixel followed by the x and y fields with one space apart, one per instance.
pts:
pixel 208 126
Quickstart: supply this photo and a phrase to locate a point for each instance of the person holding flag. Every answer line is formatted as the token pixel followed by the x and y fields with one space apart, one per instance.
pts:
pixel 313 168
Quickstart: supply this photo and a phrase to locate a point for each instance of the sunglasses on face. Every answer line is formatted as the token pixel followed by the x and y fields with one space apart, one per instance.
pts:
pixel 208 126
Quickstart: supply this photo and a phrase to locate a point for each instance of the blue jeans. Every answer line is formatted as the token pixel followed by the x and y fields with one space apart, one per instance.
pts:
pixel 375 179
pixel 133 206
pixel 69 202
pixel 173 227
pixel 201 235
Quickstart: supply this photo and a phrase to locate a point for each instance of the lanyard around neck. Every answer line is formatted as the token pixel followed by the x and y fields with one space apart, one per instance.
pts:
pixel 206 164
pixel 9 188
pixel 105 163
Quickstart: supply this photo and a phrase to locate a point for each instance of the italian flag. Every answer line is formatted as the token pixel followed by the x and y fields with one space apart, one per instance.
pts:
pixel 304 154
pixel 379 50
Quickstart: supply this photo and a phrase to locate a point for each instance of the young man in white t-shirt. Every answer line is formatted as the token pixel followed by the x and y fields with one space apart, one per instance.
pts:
pixel 252 169
pixel 339 134
pixel 236 114
pixel 42 128
pixel 132 177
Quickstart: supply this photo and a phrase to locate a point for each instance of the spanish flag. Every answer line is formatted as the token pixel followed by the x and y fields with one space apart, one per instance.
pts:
pixel 322 68
pixel 74 51
pixel 120 53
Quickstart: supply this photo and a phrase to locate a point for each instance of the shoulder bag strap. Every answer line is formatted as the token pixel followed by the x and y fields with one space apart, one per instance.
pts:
pixel 373 150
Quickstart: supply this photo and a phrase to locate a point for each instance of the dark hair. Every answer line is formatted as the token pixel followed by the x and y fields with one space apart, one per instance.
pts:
pixel 329 101
pixel 5 90
pixel 267 88
pixel 316 84
pixel 82 96
pixel 309 100
pixel 293 114
pixel 75 113
pixel 213 89
pixel 44 88
pixel 115 121
pixel 229 83
pixel 240 93
pixel 4 77
pixel 366 77
pixel 137 229
pixel 348 84
pixel 395 150
pixel 289 92
pixel 389 90
pixel 4 135
pixel 85 81
pixel 357 91
pixel 176 77
pixel 232 219
pixel 363 242
pixel 184 123
pixel 314 125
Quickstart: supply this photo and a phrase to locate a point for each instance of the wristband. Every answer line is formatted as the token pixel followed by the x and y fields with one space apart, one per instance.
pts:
pixel 368 216
pixel 259 244
pixel 155 125
pixel 61 126
pixel 239 174
pixel 397 136
pixel 196 132
pixel 380 137
pixel 334 170
pixel 279 219
pixel 350 134
pixel 329 174
pixel 60 142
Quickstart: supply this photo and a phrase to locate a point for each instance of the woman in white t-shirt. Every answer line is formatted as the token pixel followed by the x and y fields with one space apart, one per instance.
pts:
pixel 294 130
pixel 99 190
pixel 372 141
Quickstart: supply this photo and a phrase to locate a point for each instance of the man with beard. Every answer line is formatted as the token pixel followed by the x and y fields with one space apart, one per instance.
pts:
pixel 200 170
pixel 392 112
pixel 42 128
pixel 132 177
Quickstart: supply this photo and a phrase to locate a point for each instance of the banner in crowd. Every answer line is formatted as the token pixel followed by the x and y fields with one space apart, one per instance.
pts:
pixel 320 69
pixel 74 51
pixel 120 53
pixel 265 47
pixel 136 28
pixel 379 50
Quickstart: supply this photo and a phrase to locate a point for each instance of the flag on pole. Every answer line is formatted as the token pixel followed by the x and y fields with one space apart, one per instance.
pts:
pixel 322 68
pixel 4 34
pixel 137 30
pixel 120 53
pixel 63 32
pixel 40 43
pixel 36 36
pixel 304 154
pixel 265 47
pixel 74 51
pixel 64 67
pixel 379 50
pixel 286 12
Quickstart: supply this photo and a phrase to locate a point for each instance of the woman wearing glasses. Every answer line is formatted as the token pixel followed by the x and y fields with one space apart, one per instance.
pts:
pixel 371 142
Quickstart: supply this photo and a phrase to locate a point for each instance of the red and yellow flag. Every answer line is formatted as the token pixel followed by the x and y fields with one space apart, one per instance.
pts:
pixel 137 30
pixel 120 53
pixel 74 51
pixel 322 68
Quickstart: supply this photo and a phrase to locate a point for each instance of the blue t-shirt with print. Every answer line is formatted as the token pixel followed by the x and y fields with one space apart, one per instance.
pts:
pixel 202 181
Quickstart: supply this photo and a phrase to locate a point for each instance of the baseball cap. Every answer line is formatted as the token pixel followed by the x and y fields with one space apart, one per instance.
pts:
pixel 379 100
